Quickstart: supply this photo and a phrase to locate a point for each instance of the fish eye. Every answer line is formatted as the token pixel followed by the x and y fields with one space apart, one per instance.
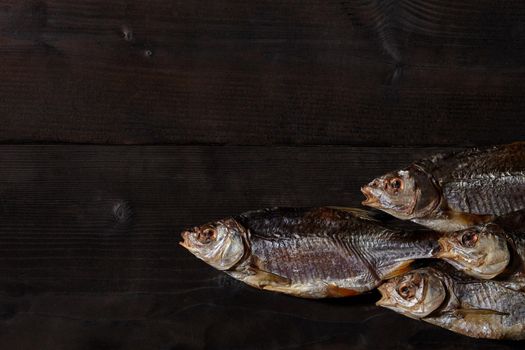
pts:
pixel 407 291
pixel 206 236
pixel 469 239
pixel 395 184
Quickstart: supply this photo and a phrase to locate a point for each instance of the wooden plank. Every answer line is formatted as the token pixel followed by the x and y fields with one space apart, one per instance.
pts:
pixel 262 72
pixel 238 321
pixel 89 255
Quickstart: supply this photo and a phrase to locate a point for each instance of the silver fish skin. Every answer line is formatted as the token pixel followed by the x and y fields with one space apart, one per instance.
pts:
pixel 323 252
pixel 480 308
pixel 481 181
pixel 452 191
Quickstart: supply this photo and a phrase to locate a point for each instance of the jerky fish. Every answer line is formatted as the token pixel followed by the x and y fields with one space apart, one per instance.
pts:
pixel 453 191
pixel 454 301
pixel 308 252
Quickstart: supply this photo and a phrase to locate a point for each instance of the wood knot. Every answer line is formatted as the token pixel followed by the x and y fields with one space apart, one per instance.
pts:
pixel 123 212
pixel 127 33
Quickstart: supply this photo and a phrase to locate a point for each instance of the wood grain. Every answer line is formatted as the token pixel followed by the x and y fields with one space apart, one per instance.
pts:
pixel 89 255
pixel 262 72
pixel 263 103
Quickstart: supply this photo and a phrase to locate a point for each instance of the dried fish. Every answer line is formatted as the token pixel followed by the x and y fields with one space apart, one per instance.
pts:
pixel 309 252
pixel 454 301
pixel 453 191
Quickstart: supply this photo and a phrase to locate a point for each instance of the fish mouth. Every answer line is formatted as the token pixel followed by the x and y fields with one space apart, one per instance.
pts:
pixel 185 239
pixel 445 249
pixel 384 301
pixel 371 200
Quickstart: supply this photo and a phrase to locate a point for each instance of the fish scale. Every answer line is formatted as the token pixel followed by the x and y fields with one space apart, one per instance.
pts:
pixel 487 295
pixel 395 246
pixel 324 246
pixel 483 177
pixel 274 263
pixel 295 272
pixel 364 250
pixel 314 269
pixel 492 197
pixel 322 270
pixel 505 203
pixel 279 259
pixel 283 259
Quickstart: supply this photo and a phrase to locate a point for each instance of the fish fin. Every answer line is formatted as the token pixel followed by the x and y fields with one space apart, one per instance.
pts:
pixel 265 278
pixel 468 219
pixel 479 312
pixel 360 213
pixel 398 270
pixel 335 291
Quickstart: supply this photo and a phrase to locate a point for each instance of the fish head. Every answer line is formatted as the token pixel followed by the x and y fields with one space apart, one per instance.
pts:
pixel 405 194
pixel 480 251
pixel 220 244
pixel 415 294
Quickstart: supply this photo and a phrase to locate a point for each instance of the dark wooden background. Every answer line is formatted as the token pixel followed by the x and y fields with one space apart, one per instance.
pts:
pixel 125 121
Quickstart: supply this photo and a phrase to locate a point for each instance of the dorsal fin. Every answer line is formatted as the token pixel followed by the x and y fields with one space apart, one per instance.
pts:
pixel 360 213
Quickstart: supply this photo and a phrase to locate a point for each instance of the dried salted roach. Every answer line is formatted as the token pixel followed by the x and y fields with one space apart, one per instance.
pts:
pixel 308 252
pixel 454 191
pixel 454 301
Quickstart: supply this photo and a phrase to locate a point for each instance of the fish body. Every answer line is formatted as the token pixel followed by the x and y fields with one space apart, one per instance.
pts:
pixel 459 303
pixel 453 191
pixel 318 252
